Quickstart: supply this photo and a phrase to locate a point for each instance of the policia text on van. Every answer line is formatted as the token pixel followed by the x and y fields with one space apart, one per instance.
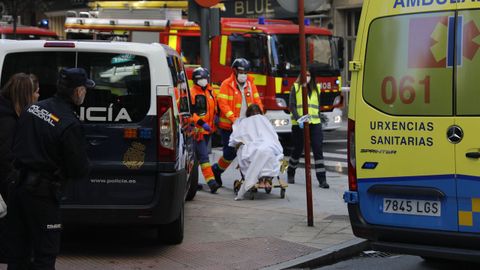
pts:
pixel 414 120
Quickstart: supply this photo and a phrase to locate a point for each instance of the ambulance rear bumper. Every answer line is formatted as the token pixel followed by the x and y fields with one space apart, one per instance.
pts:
pixel 419 242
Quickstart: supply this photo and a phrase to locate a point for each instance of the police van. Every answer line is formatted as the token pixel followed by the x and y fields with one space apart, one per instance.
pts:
pixel 136 122
pixel 413 128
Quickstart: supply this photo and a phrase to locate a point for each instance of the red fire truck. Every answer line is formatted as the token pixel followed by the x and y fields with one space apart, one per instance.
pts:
pixel 271 46
pixel 26 32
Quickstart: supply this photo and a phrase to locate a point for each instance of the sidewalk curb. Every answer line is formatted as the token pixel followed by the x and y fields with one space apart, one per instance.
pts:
pixel 325 256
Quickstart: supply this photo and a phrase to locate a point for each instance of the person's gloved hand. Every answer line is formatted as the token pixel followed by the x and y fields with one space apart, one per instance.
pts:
pixel 300 125
pixel 206 127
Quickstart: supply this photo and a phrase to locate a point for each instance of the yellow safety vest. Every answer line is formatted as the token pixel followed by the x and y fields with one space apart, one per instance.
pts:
pixel 313 105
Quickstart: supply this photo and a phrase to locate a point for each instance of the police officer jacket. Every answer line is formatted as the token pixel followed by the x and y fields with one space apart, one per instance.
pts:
pixel 50 139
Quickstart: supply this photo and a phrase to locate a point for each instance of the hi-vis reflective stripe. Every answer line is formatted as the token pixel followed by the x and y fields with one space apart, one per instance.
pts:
pixel 205 165
pixel 239 105
pixel 225 96
pixel 256 95
pixel 225 120
pixel 260 80
pixel 229 113
pixel 172 39
pixel 300 106
pixel 223 50
pixel 278 85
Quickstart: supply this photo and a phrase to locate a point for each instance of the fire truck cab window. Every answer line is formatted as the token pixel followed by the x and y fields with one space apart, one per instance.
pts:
pixel 190 50
pixel 250 48
pixel 321 53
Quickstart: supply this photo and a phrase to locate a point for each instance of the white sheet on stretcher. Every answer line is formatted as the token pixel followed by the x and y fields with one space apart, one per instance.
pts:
pixel 261 152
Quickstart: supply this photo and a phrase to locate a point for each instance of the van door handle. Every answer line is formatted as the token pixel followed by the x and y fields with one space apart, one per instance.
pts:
pixel 473 155
pixel 95 140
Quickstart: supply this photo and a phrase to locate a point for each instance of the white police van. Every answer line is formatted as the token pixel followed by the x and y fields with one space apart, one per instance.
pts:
pixel 136 122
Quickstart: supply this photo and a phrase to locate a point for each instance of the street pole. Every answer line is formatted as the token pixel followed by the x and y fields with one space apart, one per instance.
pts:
pixel 204 38
pixel 306 127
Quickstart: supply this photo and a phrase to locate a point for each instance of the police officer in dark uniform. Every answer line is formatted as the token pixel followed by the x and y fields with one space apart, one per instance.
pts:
pixel 49 149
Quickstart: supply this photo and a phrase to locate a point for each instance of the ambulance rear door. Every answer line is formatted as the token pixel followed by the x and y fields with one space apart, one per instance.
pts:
pixel 405 161
pixel 466 130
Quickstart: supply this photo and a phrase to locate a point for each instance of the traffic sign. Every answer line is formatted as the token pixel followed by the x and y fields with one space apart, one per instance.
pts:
pixel 207 3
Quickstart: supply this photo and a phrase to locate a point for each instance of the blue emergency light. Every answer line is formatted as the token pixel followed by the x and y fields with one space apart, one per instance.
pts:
pixel 261 20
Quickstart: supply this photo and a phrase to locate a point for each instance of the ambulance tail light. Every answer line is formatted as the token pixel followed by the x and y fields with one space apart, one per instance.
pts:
pixel 166 129
pixel 352 173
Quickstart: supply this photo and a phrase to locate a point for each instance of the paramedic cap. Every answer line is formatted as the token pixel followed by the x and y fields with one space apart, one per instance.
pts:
pixel 75 77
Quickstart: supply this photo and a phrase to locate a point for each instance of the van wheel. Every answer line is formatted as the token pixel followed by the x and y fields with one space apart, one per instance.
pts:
pixel 192 190
pixel 172 233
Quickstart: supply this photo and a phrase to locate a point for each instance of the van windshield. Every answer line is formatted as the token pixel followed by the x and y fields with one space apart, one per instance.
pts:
pixel 321 53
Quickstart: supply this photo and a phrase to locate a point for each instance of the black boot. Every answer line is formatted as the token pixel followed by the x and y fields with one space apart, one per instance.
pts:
pixel 218 174
pixel 291 176
pixel 323 183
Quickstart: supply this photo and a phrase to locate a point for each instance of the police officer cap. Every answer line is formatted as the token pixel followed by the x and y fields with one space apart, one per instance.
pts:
pixel 75 77
pixel 200 73
pixel 241 64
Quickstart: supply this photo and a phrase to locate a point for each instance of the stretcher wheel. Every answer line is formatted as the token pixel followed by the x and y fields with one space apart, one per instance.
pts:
pixel 282 193
pixel 268 190
pixel 236 186
pixel 252 195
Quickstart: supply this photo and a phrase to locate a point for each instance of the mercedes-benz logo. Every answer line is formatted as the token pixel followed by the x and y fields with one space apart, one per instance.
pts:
pixel 454 134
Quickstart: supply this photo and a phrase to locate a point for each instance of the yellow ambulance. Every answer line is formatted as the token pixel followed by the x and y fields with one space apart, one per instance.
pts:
pixel 414 128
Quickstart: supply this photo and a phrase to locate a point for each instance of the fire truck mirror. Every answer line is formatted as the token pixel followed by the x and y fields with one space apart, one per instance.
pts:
pixel 339 41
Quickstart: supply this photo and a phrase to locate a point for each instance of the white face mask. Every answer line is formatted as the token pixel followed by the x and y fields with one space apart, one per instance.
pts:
pixel 241 78
pixel 202 82
pixel 308 79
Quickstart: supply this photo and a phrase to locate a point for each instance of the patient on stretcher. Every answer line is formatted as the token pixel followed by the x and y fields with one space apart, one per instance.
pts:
pixel 259 150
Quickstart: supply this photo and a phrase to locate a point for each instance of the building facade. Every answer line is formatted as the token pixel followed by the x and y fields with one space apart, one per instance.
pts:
pixel 345 16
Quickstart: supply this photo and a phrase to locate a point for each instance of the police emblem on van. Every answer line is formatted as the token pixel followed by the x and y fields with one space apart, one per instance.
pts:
pixel 135 156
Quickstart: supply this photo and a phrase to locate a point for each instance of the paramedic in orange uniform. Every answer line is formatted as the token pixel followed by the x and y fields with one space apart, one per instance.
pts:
pixel 237 92
pixel 204 111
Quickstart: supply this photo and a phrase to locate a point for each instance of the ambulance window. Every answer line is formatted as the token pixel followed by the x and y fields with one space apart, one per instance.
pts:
pixel 190 50
pixel 45 65
pixel 468 81
pixel 406 69
pixel 122 91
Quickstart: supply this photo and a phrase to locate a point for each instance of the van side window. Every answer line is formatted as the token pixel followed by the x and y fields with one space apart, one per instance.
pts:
pixel 122 91
pixel 179 78
pixel 43 64
pixel 407 65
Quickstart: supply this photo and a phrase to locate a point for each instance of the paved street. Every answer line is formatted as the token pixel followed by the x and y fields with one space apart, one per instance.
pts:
pixel 221 233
